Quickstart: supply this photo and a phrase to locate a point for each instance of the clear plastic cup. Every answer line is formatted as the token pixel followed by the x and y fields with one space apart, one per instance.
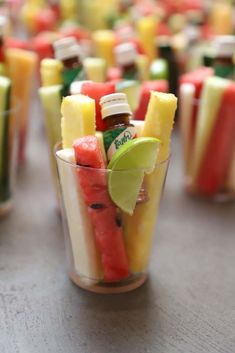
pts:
pixel 209 168
pixel 8 156
pixel 108 250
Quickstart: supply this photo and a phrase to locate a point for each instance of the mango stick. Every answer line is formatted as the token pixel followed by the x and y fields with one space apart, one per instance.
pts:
pixel 139 227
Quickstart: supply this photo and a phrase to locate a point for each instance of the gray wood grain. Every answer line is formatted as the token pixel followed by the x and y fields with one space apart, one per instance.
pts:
pixel 188 304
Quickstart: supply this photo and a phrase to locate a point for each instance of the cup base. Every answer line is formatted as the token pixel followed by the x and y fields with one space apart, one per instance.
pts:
pixel 5 208
pixel 124 286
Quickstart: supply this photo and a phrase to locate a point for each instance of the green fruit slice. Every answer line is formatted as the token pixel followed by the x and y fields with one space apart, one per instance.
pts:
pixel 127 168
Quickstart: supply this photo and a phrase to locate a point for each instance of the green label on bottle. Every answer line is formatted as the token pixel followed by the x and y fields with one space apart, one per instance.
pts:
pixel 69 76
pixel 113 139
pixel 224 71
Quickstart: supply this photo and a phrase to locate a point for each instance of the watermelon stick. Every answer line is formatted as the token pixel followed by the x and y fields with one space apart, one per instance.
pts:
pixel 85 254
pixel 138 228
pixel 218 156
pixel 103 213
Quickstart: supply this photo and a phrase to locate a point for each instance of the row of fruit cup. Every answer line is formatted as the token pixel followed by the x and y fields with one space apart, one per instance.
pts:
pixel 207 111
pixel 16 81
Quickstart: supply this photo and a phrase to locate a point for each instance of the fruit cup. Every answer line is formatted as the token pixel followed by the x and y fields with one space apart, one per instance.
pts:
pixel 208 137
pixel 8 153
pixel 108 249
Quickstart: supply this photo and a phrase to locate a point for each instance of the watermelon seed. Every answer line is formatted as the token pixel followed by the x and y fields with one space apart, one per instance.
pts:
pixel 97 206
pixel 118 220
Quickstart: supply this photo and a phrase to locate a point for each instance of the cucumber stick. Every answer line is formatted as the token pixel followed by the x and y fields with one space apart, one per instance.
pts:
pixel 51 97
pixel 5 86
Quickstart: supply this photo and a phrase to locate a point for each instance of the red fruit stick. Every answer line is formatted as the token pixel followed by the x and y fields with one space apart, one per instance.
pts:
pixel 219 153
pixel 103 213
pixel 96 90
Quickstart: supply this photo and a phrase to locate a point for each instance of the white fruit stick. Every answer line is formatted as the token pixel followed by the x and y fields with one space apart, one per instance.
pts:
pixel 85 255
pixel 187 94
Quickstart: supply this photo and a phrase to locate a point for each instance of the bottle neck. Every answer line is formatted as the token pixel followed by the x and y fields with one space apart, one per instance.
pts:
pixel 117 120
pixel 130 71
pixel 72 63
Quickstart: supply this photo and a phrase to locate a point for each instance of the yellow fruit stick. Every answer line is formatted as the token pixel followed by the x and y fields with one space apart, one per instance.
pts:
pixel 95 69
pixel 104 41
pixel 51 72
pixel 78 119
pixel 21 66
pixel 139 227
pixel 143 65
pixel 146 31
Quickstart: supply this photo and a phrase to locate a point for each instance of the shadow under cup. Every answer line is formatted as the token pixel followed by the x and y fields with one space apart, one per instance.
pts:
pixel 8 155
pixel 107 250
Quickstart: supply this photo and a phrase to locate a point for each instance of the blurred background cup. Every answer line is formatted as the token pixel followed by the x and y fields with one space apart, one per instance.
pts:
pixel 9 127
pixel 207 127
pixel 108 250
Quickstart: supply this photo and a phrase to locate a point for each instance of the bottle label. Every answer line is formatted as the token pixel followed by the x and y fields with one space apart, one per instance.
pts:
pixel 225 71
pixel 114 139
pixel 69 76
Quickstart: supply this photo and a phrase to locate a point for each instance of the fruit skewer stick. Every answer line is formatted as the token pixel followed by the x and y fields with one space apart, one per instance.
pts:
pixel 21 66
pixel 85 254
pixel 102 211
pixel 51 72
pixel 78 118
pixel 139 227
pixel 51 97
pixel 187 94
pixel 6 147
pixel 211 98
pixel 217 159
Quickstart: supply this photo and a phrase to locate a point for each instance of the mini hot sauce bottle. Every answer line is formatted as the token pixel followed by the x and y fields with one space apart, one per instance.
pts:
pixel 224 47
pixel 126 57
pixel 116 115
pixel 68 51
pixel 166 52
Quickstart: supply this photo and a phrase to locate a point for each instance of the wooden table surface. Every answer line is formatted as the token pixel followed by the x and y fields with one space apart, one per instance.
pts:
pixel 187 305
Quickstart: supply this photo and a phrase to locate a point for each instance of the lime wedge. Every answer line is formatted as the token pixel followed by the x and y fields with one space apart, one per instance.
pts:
pixel 128 166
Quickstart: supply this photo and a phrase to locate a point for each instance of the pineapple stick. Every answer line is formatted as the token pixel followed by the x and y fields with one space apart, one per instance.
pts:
pixel 139 227
pixel 95 69
pixel 78 119
pixel 51 72
pixel 21 65
pixel 146 32
pixel 104 42
pixel 159 121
